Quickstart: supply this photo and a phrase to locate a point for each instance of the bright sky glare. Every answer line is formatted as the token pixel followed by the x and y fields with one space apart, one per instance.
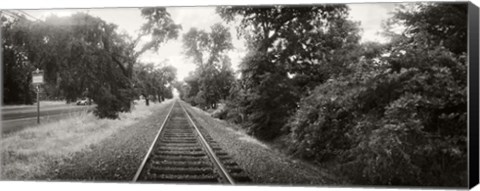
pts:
pixel 370 15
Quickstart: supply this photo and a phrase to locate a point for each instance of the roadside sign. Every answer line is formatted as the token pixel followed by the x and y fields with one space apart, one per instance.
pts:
pixel 37 77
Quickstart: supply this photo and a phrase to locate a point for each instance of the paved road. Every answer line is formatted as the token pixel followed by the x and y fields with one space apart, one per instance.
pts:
pixel 17 118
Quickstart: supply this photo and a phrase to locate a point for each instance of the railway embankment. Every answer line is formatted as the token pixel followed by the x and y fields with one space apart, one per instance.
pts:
pixel 262 163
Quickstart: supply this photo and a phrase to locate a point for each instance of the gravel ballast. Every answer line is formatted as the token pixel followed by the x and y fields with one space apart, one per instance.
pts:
pixel 263 164
pixel 117 158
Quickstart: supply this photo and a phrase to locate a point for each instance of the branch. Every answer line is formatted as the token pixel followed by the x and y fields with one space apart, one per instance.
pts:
pixel 125 72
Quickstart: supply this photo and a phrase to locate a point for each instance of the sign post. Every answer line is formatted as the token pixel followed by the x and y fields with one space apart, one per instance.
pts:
pixel 37 80
pixel 38 105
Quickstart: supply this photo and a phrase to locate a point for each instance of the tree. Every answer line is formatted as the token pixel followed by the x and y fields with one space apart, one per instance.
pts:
pixel 403 110
pixel 291 49
pixel 83 52
pixel 85 55
pixel 155 82
pixel 432 22
pixel 213 76
pixel 16 68
pixel 159 28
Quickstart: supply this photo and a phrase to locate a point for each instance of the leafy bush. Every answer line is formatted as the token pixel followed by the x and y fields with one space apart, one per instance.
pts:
pixel 318 126
pixel 268 97
pixel 231 109
pixel 389 126
pixel 111 101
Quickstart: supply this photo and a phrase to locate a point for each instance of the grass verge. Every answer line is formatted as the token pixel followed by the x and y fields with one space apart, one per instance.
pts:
pixel 25 154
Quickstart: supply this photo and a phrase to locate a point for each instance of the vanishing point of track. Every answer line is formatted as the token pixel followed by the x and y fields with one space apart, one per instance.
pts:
pixel 184 152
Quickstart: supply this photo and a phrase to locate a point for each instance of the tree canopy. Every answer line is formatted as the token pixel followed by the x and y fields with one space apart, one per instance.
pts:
pixel 212 79
pixel 291 49
pixel 81 55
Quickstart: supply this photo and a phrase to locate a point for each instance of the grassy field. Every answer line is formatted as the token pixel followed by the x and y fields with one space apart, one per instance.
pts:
pixel 24 154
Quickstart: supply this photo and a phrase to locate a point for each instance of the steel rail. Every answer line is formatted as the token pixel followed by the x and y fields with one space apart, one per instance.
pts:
pixel 139 171
pixel 210 151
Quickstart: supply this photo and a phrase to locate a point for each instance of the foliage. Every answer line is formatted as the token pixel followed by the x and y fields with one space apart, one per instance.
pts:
pixel 450 31
pixel 159 27
pixel 268 96
pixel 82 56
pixel 85 49
pixel 213 77
pixel 398 119
pixel 155 82
pixel 291 50
pixel 16 68
pixel 68 49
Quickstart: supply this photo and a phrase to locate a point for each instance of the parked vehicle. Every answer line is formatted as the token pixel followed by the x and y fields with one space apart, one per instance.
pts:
pixel 84 101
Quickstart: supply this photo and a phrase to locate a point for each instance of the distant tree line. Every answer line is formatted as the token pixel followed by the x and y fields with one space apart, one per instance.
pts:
pixel 387 114
pixel 213 77
pixel 84 56
pixel 154 83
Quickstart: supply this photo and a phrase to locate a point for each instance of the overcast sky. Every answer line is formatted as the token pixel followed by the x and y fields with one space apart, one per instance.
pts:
pixel 370 15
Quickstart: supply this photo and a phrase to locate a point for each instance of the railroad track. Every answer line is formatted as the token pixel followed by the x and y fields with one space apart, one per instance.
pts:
pixel 184 152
